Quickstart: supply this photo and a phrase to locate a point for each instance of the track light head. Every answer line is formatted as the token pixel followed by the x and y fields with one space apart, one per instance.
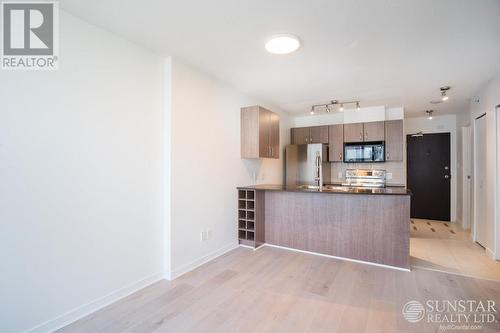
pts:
pixel 444 89
pixel 429 113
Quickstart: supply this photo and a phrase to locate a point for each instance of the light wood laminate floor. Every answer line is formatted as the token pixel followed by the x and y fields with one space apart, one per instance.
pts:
pixel 276 290
pixel 447 247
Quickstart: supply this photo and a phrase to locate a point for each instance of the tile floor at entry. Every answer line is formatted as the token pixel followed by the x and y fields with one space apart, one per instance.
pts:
pixel 447 247
pixel 275 290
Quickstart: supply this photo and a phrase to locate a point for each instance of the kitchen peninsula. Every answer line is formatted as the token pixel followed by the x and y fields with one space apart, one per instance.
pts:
pixel 361 218
pixel 370 225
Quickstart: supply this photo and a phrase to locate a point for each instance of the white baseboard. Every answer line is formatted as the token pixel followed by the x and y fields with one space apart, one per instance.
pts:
pixel 490 253
pixel 340 258
pixel 174 274
pixel 86 309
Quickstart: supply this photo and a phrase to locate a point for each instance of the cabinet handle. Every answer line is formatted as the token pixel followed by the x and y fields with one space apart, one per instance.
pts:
pixel 361 136
pixel 366 135
pixel 307 139
pixel 311 139
pixel 340 156
pixel 388 155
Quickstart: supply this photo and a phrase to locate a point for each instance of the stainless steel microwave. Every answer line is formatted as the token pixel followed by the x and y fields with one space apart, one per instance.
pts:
pixel 364 152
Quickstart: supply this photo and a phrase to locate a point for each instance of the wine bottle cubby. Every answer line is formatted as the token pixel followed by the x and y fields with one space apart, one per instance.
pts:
pixel 250 217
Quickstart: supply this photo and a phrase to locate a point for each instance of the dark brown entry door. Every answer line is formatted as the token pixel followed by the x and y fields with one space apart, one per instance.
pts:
pixel 429 176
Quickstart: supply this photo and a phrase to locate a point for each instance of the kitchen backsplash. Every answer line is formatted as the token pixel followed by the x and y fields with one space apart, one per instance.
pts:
pixel 397 169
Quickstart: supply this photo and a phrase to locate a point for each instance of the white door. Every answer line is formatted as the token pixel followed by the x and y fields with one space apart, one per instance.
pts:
pixel 480 180
pixel 466 177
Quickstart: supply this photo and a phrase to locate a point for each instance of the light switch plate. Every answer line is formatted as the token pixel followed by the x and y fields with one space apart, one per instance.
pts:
pixel 389 175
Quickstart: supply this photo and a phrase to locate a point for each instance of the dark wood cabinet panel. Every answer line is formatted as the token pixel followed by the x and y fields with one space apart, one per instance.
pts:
pixel 336 224
pixel 300 135
pixel 394 140
pixel 259 133
pixel 274 140
pixel 336 143
pixel 318 134
pixel 374 131
pixel 353 132
pixel 264 133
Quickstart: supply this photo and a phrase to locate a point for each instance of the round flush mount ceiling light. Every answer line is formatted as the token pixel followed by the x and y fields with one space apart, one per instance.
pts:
pixel 282 44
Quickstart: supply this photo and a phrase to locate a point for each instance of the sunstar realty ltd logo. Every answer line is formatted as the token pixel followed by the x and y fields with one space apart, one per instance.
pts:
pixel 463 314
pixel 30 35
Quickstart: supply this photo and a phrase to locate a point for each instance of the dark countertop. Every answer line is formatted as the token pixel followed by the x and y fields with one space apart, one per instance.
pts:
pixel 389 190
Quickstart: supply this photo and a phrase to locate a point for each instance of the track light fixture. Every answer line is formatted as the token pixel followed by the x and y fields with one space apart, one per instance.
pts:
pixel 444 89
pixel 429 112
pixel 330 106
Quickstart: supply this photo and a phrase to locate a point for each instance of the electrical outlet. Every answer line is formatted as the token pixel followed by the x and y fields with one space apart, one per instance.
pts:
pixel 389 175
pixel 209 234
pixel 204 235
pixel 340 175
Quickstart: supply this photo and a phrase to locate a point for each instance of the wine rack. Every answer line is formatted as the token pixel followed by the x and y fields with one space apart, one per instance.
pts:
pixel 250 210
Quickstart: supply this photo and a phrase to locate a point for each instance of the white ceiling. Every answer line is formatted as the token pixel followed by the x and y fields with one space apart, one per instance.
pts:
pixel 382 52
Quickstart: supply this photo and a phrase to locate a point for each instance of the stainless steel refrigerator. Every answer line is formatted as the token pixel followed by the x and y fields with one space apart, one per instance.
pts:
pixel 306 165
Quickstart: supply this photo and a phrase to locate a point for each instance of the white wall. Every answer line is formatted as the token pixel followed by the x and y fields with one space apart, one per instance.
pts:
pixel 206 166
pixel 375 113
pixel 440 124
pixel 484 102
pixel 463 119
pixel 80 175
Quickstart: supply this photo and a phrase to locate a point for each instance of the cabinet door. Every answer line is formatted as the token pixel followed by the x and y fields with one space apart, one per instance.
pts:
pixel 318 134
pixel 394 140
pixel 300 135
pixel 353 132
pixel 274 135
pixel 336 143
pixel 374 131
pixel 264 133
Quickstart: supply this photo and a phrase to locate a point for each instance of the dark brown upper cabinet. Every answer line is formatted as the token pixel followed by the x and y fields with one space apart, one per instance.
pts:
pixel 360 132
pixel 336 143
pixel 259 133
pixel 315 134
pixel 374 131
pixel 394 140
pixel 300 135
pixel 318 134
pixel 353 132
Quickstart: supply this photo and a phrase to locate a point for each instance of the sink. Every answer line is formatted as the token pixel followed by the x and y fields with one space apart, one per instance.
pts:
pixel 335 188
pixel 308 187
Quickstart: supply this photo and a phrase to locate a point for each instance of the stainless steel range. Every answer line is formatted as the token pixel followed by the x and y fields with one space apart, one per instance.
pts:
pixel 365 178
